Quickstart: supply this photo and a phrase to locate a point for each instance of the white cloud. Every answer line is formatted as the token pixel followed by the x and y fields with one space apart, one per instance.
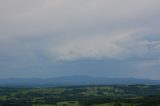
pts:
pixel 118 45
pixel 98 46
pixel 80 29
pixel 34 31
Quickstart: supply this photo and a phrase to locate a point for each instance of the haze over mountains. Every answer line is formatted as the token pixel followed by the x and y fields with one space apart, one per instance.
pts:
pixel 72 81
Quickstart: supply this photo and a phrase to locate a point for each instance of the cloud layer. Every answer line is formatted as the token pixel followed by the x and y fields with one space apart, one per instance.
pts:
pixel 70 30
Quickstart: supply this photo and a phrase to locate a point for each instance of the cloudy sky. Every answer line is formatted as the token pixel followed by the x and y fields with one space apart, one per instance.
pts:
pixel 51 38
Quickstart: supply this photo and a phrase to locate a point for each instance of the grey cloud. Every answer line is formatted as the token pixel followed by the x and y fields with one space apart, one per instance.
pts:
pixel 78 29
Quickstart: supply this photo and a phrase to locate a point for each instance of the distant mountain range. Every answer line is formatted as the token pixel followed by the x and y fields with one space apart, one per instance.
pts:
pixel 72 81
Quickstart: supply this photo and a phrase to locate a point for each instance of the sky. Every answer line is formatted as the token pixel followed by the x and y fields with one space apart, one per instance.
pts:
pixel 104 38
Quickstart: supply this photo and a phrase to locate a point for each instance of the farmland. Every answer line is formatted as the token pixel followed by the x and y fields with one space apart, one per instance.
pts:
pixel 93 95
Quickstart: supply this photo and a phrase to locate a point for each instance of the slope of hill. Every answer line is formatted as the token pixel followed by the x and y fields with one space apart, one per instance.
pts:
pixel 73 81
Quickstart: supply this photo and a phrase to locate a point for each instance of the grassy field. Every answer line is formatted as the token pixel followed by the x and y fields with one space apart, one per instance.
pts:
pixel 126 95
pixel 105 104
pixel 43 105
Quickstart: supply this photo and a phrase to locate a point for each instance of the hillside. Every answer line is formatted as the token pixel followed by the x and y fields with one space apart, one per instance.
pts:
pixel 73 81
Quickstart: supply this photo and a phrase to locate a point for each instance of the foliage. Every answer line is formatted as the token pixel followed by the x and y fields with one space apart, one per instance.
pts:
pixel 113 95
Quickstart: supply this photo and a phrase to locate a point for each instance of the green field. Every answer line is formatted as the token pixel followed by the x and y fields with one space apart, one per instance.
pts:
pixel 111 95
pixel 43 105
